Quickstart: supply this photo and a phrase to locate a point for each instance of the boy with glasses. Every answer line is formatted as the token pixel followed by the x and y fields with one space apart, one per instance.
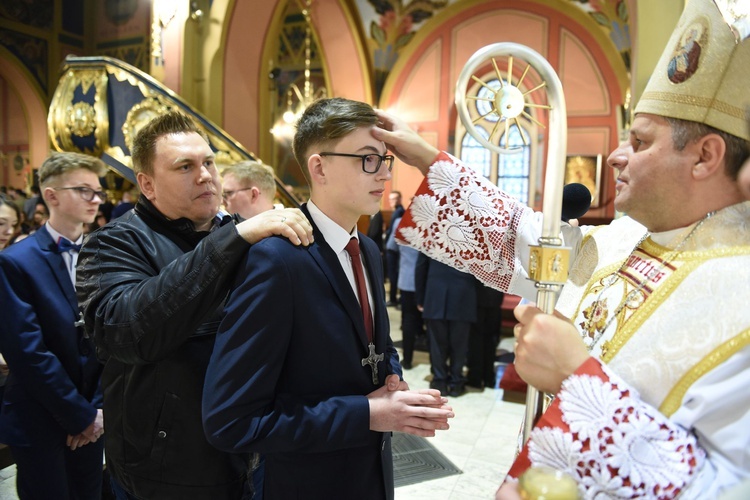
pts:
pixel 51 416
pixel 303 370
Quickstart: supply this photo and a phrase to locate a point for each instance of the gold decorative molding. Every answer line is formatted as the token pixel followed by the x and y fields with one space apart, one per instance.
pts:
pixel 81 119
pixel 68 118
pixel 139 115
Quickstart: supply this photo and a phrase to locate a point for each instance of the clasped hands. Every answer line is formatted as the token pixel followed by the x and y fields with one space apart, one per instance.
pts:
pixel 90 434
pixel 394 407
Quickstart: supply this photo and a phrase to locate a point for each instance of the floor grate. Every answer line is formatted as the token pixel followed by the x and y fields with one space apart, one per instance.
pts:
pixel 415 460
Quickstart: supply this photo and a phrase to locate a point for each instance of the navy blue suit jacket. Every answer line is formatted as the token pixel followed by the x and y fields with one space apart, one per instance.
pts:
pixel 445 293
pixel 53 387
pixel 286 378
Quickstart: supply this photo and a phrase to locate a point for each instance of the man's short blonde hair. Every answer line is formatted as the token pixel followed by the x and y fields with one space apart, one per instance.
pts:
pixel 252 173
pixel 61 163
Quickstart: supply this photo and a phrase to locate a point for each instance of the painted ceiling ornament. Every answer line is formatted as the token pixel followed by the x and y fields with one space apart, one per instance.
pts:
pixel 397 23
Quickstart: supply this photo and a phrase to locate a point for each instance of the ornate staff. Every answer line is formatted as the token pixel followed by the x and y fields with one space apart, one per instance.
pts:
pixel 548 265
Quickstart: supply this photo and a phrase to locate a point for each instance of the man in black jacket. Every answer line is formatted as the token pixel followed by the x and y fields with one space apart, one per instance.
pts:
pixel 448 301
pixel 152 285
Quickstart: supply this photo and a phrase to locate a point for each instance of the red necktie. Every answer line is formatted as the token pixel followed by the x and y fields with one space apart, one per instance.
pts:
pixel 352 249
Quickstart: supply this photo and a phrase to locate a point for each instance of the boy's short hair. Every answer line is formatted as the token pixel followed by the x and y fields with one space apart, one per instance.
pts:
pixel 58 164
pixel 144 144
pixel 325 122
pixel 253 173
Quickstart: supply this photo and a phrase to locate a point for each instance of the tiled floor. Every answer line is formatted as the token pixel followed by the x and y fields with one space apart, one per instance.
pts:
pixel 8 483
pixel 481 441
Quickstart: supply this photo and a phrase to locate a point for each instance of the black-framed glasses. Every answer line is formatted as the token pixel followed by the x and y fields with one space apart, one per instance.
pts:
pixel 229 194
pixel 370 162
pixel 87 193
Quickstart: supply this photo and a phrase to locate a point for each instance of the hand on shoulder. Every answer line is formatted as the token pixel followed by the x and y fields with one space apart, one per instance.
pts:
pixel 290 223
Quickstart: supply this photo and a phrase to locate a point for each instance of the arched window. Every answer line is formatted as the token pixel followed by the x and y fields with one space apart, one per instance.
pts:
pixel 476 155
pixel 513 169
pixel 514 173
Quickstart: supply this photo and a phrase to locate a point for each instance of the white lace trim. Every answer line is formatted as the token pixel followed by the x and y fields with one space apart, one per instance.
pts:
pixel 467 223
pixel 617 446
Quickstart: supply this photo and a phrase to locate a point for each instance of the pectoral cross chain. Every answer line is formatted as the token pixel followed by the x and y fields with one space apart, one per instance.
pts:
pixel 372 360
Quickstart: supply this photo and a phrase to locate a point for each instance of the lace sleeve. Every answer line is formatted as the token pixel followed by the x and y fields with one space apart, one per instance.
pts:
pixel 461 219
pixel 613 444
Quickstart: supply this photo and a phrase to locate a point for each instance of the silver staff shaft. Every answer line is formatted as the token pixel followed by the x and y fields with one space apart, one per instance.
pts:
pixel 548 265
pixel 546 297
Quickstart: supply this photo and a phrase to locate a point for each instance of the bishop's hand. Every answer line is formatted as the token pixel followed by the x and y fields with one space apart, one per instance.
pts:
pixel 548 348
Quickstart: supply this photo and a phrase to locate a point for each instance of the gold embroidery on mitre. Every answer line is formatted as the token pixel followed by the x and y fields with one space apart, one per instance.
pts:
pixel 686 56
pixel 703 72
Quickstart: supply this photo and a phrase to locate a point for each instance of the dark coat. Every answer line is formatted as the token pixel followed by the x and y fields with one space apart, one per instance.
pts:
pixel 375 230
pixel 444 292
pixel 286 378
pixel 53 387
pixel 152 292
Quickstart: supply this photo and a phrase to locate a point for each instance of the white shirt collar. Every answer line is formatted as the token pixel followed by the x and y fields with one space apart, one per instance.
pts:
pixel 56 236
pixel 336 236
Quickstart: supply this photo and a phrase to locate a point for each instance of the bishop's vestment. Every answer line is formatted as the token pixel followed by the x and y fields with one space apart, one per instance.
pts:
pixel 662 405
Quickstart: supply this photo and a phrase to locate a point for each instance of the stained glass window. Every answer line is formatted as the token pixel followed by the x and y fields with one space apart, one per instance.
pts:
pixel 511 172
pixel 513 168
pixel 474 154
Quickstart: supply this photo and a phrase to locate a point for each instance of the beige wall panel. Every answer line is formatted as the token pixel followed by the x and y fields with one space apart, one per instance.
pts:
pixel 18 128
pixel 242 67
pixel 505 26
pixel 419 100
pixel 585 90
pixel 589 141
pixel 34 110
pixel 339 48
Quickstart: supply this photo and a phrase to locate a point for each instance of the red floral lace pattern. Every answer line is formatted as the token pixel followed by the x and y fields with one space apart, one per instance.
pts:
pixel 461 219
pixel 613 444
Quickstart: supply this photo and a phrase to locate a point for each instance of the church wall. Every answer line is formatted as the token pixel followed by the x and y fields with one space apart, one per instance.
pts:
pixel 14 138
pixel 246 83
pixel 24 116
pixel 233 77
pixel 594 81
pixel 243 69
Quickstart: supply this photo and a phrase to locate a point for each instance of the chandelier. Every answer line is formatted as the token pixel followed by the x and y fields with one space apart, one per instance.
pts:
pixel 297 100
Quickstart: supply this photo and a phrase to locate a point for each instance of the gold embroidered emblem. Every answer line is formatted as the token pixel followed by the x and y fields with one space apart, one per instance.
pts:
pixel 595 317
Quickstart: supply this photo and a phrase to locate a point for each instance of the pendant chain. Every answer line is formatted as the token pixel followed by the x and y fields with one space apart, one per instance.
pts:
pixel 612 279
